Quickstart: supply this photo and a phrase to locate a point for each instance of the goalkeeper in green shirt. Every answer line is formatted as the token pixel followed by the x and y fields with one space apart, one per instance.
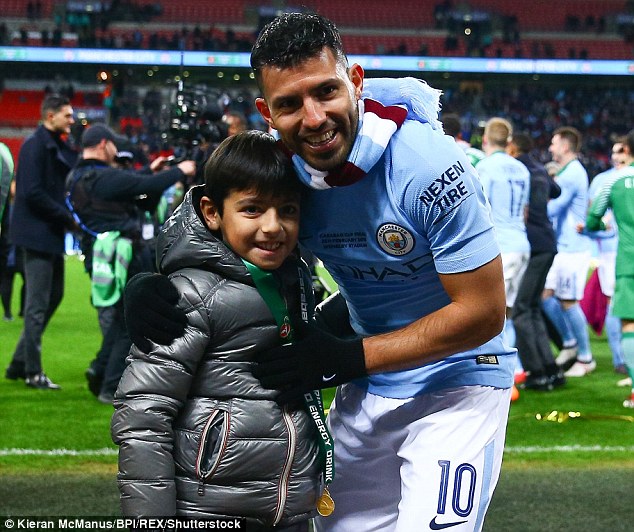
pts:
pixel 618 194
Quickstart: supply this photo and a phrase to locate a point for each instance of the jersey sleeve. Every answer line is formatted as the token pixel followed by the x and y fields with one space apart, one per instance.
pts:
pixel 599 206
pixel 568 186
pixel 445 200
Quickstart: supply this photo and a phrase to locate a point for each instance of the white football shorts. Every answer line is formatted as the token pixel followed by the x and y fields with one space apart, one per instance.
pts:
pixel 425 463
pixel 568 275
pixel 514 265
pixel 607 272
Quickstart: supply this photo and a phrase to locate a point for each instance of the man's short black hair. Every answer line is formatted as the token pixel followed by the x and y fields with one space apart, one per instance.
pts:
pixel 53 102
pixel 249 160
pixel 523 142
pixel 292 38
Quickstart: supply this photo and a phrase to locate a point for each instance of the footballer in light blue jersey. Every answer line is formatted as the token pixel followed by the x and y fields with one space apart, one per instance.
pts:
pixel 567 276
pixel 394 231
pixel 569 209
pixel 506 183
pixel 398 216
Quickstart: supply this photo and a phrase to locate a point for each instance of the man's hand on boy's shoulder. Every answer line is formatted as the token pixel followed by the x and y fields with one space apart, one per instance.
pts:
pixel 150 311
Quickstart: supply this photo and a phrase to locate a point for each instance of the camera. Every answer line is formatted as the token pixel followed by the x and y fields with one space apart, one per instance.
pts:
pixel 194 117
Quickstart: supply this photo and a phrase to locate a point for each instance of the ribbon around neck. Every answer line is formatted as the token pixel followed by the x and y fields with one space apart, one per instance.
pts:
pixel 269 288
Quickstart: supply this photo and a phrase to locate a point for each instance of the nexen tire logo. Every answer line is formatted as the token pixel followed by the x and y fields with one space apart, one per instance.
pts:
pixel 394 239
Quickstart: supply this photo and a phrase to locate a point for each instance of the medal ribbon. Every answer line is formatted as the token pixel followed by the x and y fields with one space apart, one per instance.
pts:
pixel 268 288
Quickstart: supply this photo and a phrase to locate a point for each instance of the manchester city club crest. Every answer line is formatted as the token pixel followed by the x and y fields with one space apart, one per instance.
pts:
pixel 394 239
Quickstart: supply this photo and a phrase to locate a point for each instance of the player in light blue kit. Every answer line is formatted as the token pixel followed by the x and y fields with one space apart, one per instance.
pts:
pixel 399 219
pixel 506 183
pixel 398 216
pixel 566 279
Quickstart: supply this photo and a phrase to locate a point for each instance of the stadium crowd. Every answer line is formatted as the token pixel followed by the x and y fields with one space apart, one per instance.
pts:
pixel 448 28
pixel 600 116
pixel 599 113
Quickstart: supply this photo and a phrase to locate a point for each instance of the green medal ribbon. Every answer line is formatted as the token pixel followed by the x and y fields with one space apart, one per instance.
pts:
pixel 268 288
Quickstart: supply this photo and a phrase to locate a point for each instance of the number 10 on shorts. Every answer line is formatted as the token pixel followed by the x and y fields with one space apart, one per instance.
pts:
pixel 464 483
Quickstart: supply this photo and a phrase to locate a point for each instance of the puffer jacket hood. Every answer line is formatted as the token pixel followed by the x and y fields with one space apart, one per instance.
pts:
pixel 185 242
pixel 198 435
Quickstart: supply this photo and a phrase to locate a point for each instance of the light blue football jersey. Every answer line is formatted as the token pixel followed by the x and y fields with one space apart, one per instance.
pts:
pixel 570 208
pixel 420 211
pixel 607 241
pixel 506 183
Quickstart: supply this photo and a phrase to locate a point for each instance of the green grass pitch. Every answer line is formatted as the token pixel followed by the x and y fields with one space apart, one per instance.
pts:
pixel 560 472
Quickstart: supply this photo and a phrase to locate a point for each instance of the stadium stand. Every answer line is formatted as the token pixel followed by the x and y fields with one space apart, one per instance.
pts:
pixel 541 29
pixel 19 8
pixel 218 11
pixel 546 15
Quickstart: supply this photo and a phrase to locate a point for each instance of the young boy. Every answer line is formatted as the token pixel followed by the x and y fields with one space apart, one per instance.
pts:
pixel 198 435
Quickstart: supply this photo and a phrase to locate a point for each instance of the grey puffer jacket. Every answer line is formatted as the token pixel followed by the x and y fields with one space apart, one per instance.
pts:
pixel 198 435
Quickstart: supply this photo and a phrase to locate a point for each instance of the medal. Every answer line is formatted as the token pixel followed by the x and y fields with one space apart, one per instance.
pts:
pixel 268 288
pixel 325 504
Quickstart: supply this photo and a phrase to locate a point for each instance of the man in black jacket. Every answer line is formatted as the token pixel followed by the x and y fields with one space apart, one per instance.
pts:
pixel 533 344
pixel 38 225
pixel 106 199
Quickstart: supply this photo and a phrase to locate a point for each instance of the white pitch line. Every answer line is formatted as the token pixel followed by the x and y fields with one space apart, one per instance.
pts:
pixel 570 449
pixel 510 450
pixel 58 452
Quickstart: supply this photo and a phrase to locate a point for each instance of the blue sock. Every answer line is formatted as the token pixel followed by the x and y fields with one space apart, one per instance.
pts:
pixel 579 324
pixel 554 311
pixel 627 342
pixel 613 333
pixel 509 333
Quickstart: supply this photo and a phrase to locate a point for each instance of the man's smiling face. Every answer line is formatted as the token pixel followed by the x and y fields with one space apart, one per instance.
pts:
pixel 313 106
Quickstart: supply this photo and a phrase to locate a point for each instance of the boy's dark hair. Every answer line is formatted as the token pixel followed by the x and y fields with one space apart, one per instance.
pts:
pixel 523 142
pixel 292 38
pixel 53 102
pixel 572 135
pixel 249 160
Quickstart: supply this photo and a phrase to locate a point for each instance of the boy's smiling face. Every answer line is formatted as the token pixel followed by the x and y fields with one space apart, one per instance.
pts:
pixel 263 229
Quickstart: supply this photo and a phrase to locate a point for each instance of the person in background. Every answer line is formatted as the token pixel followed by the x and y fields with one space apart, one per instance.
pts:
pixel 506 183
pixel 532 339
pixel 39 222
pixel 452 127
pixel 607 244
pixel 110 204
pixel 11 263
pixel 618 194
pixel 235 122
pixel 6 177
pixel 7 250
pixel 566 278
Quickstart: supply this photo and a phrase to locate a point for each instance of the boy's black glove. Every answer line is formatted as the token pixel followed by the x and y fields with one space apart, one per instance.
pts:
pixel 315 360
pixel 150 311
